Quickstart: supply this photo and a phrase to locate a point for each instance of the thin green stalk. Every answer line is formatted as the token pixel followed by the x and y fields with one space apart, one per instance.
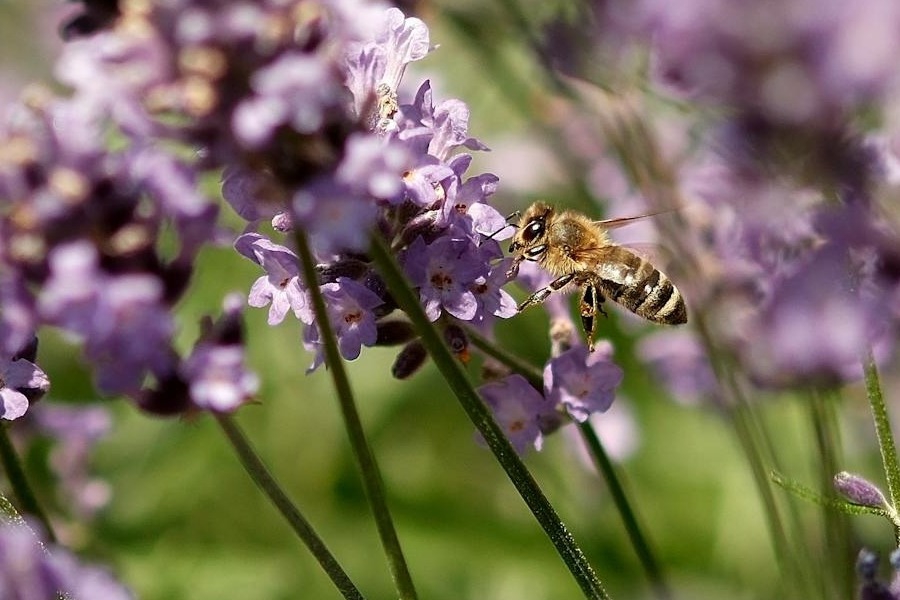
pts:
pixel 266 482
pixel 626 512
pixel 371 476
pixel 835 524
pixel 885 435
pixel 481 417
pixel 741 421
pixel 28 502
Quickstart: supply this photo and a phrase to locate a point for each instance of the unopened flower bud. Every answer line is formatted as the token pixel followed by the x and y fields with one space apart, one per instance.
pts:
pixel 393 333
pixel 345 267
pixel 859 491
pixel 410 359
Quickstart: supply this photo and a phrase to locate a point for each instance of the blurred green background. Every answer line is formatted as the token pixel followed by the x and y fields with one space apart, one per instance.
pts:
pixel 185 521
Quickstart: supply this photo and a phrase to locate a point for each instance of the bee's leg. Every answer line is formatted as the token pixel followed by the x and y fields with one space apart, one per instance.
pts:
pixel 588 309
pixel 542 294
pixel 600 300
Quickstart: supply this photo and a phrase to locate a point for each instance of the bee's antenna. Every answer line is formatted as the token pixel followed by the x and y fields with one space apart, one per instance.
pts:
pixel 511 215
pixel 490 237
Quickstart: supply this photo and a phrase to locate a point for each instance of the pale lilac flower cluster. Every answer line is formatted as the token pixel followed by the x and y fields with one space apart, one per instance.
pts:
pixel 79 243
pixel 577 384
pixel 402 175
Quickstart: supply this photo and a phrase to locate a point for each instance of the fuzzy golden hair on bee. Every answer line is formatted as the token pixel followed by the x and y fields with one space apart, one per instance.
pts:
pixel 577 251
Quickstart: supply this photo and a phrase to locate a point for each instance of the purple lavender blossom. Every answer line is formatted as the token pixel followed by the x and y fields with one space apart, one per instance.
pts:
pixel 30 570
pixel 280 288
pixel 219 380
pixel 493 300
pixel 519 410
pixel 350 307
pixel 445 272
pixel 20 380
pixel 215 373
pixel 383 60
pixel 582 382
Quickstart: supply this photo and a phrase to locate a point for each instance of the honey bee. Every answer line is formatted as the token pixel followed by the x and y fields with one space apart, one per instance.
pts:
pixel 577 251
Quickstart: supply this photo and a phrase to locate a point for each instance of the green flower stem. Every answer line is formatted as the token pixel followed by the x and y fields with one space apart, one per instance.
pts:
pixel 601 460
pixel 266 482
pixel 885 436
pixel 624 506
pixel 28 503
pixel 362 452
pixel 478 413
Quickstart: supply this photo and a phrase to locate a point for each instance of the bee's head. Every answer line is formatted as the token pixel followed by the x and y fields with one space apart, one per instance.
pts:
pixel 532 228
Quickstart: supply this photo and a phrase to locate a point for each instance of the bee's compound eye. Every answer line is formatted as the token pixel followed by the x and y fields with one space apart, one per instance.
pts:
pixel 535 252
pixel 533 231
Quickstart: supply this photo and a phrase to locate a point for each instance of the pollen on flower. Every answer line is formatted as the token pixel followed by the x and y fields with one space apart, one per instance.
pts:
pixel 441 280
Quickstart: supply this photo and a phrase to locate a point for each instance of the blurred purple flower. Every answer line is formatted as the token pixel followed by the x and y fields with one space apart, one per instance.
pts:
pixel 218 377
pixel 519 410
pixel 123 321
pixel 676 357
pixel 805 334
pixel 31 571
pixel 373 166
pixel 582 382
pixel 794 61
pixel 867 570
pixel 216 374
pixel 17 314
pixel 245 190
pixel 296 90
pixel 338 219
pixel 75 430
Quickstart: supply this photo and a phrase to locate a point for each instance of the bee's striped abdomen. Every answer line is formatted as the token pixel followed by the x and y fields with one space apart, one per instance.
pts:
pixel 643 289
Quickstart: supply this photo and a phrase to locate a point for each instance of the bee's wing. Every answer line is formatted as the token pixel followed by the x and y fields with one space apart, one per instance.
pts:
pixel 614 262
pixel 623 221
